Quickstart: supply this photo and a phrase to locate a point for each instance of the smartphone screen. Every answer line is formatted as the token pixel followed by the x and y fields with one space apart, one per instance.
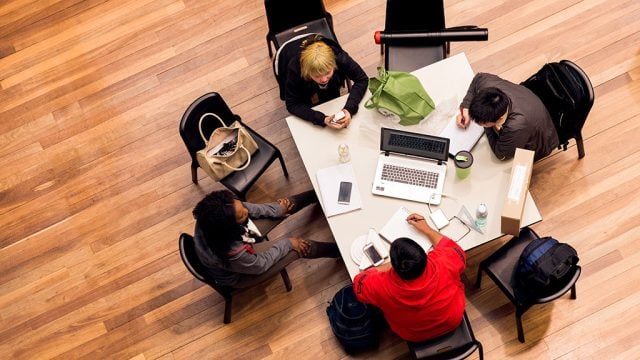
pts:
pixel 344 195
pixel 373 254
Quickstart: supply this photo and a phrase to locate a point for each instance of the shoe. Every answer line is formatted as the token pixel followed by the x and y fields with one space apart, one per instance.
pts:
pixel 301 200
pixel 323 250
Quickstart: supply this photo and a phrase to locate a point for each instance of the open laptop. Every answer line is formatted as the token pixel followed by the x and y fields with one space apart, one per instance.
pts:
pixel 411 166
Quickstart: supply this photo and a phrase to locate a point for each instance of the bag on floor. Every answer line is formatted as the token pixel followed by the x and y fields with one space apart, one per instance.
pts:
pixel 228 149
pixel 356 325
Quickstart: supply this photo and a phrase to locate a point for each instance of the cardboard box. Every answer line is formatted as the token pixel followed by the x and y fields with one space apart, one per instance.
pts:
pixel 517 191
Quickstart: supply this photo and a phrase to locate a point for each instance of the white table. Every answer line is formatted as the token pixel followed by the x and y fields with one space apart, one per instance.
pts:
pixel 446 82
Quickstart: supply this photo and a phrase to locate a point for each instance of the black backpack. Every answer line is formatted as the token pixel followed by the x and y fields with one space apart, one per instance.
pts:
pixel 542 267
pixel 566 94
pixel 356 325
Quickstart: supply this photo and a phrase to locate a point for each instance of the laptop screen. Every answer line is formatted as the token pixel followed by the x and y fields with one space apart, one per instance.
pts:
pixel 408 143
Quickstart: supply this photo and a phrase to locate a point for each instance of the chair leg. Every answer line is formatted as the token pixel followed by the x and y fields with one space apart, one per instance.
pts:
pixel 282 165
pixel 269 47
pixel 519 325
pixel 580 145
pixel 194 174
pixel 285 278
pixel 479 277
pixel 227 309
pixel 573 292
pixel 480 351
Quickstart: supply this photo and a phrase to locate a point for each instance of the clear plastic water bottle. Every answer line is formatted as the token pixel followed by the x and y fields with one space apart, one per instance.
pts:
pixel 343 153
pixel 481 215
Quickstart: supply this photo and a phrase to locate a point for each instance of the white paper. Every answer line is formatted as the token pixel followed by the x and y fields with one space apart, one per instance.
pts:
pixel 398 227
pixel 462 139
pixel 329 185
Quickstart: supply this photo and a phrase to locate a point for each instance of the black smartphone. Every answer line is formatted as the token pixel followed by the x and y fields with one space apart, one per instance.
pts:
pixel 373 254
pixel 344 195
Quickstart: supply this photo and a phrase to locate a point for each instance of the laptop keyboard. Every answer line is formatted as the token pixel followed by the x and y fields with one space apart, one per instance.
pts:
pixel 410 176
pixel 412 142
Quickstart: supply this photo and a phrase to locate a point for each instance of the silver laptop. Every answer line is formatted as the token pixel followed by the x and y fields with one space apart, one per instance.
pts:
pixel 411 166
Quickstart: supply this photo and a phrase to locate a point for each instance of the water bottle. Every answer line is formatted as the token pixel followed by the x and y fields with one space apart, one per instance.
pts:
pixel 481 215
pixel 343 153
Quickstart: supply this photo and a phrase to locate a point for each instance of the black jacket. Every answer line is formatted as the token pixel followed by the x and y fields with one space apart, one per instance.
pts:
pixel 299 92
pixel 528 125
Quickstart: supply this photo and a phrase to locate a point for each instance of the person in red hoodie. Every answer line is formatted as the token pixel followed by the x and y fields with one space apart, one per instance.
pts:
pixel 421 295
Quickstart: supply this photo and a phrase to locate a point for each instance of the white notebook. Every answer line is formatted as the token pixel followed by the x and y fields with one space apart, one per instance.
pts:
pixel 329 185
pixel 397 227
pixel 462 139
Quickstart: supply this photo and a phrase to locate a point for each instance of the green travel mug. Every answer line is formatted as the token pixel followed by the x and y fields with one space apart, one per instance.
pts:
pixel 463 161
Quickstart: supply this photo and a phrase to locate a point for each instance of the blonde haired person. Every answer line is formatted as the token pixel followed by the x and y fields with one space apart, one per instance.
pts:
pixel 315 73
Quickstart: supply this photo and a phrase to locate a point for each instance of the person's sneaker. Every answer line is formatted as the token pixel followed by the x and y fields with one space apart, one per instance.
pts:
pixel 301 200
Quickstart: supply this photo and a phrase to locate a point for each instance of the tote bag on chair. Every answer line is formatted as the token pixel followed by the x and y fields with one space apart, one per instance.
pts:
pixel 228 149
pixel 400 93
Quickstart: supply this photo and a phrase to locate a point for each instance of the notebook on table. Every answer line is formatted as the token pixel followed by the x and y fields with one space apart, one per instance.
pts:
pixel 411 166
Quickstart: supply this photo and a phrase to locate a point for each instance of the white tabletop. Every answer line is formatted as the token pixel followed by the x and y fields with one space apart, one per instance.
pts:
pixel 446 82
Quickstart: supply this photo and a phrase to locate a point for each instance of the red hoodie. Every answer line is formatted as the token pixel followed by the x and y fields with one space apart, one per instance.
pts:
pixel 423 308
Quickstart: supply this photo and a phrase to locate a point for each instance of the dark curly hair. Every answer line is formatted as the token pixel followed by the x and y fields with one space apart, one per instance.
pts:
pixel 488 105
pixel 216 219
pixel 407 258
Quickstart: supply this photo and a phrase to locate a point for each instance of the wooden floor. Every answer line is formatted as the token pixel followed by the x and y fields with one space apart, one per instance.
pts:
pixel 95 184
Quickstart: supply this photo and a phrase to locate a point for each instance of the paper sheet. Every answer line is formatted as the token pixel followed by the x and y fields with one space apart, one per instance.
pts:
pixel 329 185
pixel 462 139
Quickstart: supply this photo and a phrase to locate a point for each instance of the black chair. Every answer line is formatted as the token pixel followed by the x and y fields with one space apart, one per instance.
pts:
pixel 458 344
pixel 195 267
pixel 289 18
pixel 238 182
pixel 500 266
pixel 411 52
pixel 567 93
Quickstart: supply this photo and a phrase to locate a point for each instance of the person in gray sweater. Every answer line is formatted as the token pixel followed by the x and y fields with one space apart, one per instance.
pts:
pixel 229 246
pixel 512 115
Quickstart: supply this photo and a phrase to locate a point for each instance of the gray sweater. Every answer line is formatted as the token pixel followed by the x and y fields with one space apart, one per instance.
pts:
pixel 241 260
pixel 528 125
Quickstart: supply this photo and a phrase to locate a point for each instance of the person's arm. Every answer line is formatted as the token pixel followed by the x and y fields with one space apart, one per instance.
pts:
pixel 360 81
pixel 296 99
pixel 514 134
pixel 420 223
pixel 258 263
pixel 272 210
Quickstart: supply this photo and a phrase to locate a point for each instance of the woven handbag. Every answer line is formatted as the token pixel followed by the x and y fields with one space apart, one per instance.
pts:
pixel 228 149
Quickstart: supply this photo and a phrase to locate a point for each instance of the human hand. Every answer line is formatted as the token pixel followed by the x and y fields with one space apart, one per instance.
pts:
pixel 302 247
pixel 462 120
pixel 418 222
pixel 338 124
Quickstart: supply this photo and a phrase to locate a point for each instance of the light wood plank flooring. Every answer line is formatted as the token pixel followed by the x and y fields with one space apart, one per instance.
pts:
pixel 95 184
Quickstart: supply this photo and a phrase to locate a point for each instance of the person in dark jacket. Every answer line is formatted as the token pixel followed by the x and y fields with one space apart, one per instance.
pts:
pixel 315 74
pixel 230 247
pixel 512 115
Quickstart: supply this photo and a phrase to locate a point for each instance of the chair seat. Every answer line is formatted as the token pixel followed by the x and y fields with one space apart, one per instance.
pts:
pixel 318 26
pixel 501 268
pixel 457 344
pixel 241 181
pixel 410 58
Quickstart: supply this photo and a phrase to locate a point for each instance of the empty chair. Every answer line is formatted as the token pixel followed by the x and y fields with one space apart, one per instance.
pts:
pixel 240 181
pixel 289 18
pixel 458 344
pixel 567 93
pixel 199 271
pixel 501 266
pixel 413 53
